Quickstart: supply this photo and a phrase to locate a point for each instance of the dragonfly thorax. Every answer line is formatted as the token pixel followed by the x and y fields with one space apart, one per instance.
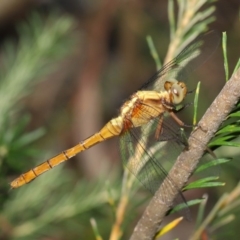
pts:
pixel 178 90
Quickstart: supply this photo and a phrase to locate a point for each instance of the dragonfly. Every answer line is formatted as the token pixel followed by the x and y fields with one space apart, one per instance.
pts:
pixel 145 109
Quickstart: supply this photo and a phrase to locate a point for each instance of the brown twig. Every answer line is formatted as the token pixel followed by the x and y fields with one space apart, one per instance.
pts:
pixel 188 160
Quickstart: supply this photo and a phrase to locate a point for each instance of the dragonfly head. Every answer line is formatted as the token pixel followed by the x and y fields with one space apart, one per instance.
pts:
pixel 178 90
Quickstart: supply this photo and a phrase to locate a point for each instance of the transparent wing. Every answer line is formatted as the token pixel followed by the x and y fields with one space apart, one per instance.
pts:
pixel 150 160
pixel 176 69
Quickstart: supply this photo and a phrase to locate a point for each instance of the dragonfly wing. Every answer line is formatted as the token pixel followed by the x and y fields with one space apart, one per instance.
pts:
pixel 176 69
pixel 150 159
pixel 140 162
pixel 149 162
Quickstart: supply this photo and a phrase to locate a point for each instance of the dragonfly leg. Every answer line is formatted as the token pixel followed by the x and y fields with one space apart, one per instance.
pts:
pixel 183 107
pixel 202 128
pixel 179 121
pixel 159 128
pixel 207 148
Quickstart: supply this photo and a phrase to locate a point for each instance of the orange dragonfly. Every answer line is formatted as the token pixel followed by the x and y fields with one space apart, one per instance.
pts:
pixel 145 109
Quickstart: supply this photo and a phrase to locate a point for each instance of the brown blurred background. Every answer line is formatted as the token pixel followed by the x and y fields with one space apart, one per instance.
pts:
pixel 110 61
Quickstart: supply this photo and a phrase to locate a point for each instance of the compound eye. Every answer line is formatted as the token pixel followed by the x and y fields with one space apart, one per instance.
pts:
pixel 179 91
pixel 168 84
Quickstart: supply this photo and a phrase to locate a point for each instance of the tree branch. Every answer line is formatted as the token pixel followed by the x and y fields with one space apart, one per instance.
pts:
pixel 188 159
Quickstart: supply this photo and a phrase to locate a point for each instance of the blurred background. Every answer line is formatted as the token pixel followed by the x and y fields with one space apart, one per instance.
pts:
pixel 66 68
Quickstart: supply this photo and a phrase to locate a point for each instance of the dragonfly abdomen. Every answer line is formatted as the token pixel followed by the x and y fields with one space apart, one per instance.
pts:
pixel 111 129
